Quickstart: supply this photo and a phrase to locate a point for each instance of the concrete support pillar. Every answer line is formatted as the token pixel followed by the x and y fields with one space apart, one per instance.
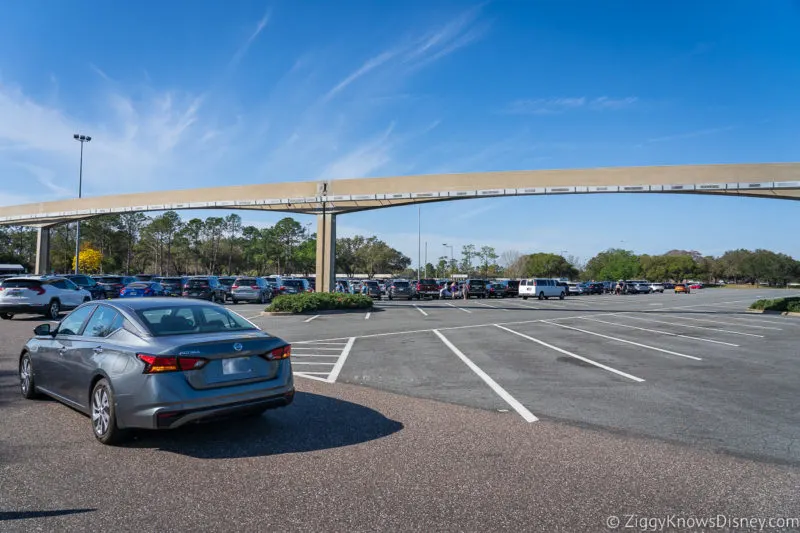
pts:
pixel 326 253
pixel 43 251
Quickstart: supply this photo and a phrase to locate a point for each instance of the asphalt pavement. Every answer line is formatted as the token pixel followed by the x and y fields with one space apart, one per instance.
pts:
pixel 412 418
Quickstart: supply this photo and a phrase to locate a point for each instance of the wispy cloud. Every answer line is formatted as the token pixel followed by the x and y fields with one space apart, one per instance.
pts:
pixel 689 135
pixel 421 50
pixel 242 51
pixel 97 70
pixel 552 106
pixel 469 211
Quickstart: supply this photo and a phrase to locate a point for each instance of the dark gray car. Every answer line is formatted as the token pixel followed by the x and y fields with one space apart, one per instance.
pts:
pixel 156 363
pixel 400 289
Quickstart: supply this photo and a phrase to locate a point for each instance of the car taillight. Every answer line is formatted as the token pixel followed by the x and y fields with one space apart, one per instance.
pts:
pixel 234 286
pixel 392 287
pixel 157 364
pixel 121 292
pixel 284 352
pixel 254 287
pixel 186 286
pixel 148 291
pixel 283 288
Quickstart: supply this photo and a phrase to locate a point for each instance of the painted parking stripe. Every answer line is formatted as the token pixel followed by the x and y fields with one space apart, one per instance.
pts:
pixel 731 332
pixel 315 347
pixel 751 326
pixel 669 333
pixel 492 306
pixel 626 341
pixel 576 356
pixel 313 363
pixel 312 318
pixel 366 317
pixel 340 363
pixel 500 391
pixel 459 308
pixel 418 308
pixel 316 355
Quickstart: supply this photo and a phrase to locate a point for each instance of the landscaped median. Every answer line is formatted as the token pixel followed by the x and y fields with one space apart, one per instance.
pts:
pixel 784 306
pixel 313 302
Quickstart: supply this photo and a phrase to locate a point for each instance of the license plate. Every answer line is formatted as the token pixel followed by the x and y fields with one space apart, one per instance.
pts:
pixel 14 293
pixel 236 365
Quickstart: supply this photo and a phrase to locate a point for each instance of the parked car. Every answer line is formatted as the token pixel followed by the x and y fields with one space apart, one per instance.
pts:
pixel 143 277
pixel 277 283
pixel 609 286
pixel 113 284
pixel 225 366
pixel 251 289
pixel 142 289
pixel 298 285
pixel 173 286
pixel 682 288
pixel 89 284
pixel 593 287
pixel 39 295
pixel 541 288
pixel 427 287
pixel 401 288
pixel 512 288
pixel 574 289
pixel 496 289
pixel 227 284
pixel 204 288
pixel 637 287
pixel 475 287
pixel 656 287
pixel 372 289
pixel 696 286
pixel 669 286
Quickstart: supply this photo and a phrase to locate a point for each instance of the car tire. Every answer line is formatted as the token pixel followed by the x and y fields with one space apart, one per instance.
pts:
pixel 26 382
pixel 103 414
pixel 53 310
pixel 524 297
pixel 561 296
pixel 541 295
pixel 390 297
pixel 234 301
pixel 87 300
pixel 6 316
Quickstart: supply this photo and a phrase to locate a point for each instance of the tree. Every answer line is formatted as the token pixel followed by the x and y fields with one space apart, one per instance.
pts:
pixel 233 225
pixel 130 224
pixel 547 266
pixel 305 255
pixel 613 264
pixel 467 254
pixel 287 233
pixel 90 260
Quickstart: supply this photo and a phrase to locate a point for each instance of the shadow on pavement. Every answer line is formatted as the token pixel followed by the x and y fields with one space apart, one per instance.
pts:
pixel 313 422
pixel 21 515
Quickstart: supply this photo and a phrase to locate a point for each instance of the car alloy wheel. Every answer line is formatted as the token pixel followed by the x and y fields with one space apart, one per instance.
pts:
pixel 101 411
pixel 26 377
pixel 54 310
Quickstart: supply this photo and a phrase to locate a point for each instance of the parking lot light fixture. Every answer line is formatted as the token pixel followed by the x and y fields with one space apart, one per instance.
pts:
pixel 81 139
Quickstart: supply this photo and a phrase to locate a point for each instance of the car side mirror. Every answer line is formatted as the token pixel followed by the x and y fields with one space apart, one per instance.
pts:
pixel 42 329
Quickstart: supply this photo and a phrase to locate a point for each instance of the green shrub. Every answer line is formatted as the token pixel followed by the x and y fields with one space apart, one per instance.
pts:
pixel 309 302
pixel 779 304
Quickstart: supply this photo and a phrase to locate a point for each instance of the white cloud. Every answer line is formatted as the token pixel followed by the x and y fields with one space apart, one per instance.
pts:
pixel 551 106
pixel 242 51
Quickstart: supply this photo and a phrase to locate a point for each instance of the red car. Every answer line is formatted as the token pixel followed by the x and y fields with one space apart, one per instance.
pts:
pixel 695 286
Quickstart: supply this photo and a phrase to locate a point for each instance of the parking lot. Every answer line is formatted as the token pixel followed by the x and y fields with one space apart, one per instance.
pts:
pixel 451 415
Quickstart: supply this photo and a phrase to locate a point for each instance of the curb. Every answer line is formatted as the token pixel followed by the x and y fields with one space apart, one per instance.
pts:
pixel 326 312
pixel 768 312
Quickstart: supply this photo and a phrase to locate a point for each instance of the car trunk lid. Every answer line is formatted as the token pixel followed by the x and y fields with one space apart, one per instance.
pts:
pixel 231 359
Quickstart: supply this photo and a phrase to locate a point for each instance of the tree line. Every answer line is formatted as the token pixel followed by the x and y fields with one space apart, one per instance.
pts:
pixel 166 244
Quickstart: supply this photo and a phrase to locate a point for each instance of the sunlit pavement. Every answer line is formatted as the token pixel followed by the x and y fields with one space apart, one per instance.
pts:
pixel 450 415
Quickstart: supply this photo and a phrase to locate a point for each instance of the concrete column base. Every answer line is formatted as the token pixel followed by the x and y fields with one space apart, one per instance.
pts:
pixel 43 251
pixel 326 253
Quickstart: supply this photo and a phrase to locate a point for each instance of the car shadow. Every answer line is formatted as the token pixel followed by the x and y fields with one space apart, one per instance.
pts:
pixel 21 515
pixel 313 422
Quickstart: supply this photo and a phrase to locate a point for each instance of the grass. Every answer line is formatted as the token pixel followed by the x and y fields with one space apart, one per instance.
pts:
pixel 781 305
pixel 318 301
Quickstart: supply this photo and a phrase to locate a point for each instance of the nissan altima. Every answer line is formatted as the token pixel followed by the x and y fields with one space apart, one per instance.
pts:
pixel 156 363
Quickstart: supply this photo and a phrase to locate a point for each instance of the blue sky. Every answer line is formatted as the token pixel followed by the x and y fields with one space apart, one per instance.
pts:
pixel 183 94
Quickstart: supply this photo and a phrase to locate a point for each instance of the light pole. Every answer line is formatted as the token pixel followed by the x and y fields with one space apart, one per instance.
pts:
pixel 451 253
pixel 419 243
pixel 81 139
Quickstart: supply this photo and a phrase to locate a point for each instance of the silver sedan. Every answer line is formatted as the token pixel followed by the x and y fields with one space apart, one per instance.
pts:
pixel 156 363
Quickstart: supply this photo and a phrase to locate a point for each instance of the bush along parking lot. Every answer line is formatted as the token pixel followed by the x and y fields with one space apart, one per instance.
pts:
pixel 318 301
pixel 782 305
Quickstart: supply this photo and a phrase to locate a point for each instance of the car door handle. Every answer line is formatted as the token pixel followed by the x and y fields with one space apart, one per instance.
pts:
pixel 97 349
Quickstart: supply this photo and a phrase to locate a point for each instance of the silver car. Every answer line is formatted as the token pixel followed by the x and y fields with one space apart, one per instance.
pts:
pixel 156 363
pixel 251 290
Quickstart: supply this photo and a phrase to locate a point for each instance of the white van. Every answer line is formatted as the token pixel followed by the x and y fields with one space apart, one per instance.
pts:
pixel 541 288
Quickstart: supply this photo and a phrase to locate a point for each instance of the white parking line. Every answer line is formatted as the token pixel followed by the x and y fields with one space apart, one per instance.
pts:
pixel 315 347
pixel 312 363
pixel 492 306
pixel 420 310
pixel 312 375
pixel 690 326
pixel 366 317
pixel 315 355
pixel 662 332
pixel 725 323
pixel 460 308
pixel 312 318
pixel 576 356
pixel 622 340
pixel 340 363
pixel 500 391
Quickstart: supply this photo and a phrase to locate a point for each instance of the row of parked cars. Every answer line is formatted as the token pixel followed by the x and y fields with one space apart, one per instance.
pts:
pixel 49 295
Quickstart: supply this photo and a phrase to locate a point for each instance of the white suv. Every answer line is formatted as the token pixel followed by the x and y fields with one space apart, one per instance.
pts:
pixel 41 295
pixel 541 288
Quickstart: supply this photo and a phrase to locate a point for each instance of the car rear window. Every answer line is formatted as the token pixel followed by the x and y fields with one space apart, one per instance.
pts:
pixel 293 282
pixel 246 281
pixel 170 280
pixel 513 283
pixel 110 279
pixel 197 283
pixel 428 282
pixel 226 281
pixel 477 282
pixel 371 283
pixel 20 284
pixel 401 284
pixel 185 320
pixel 139 285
